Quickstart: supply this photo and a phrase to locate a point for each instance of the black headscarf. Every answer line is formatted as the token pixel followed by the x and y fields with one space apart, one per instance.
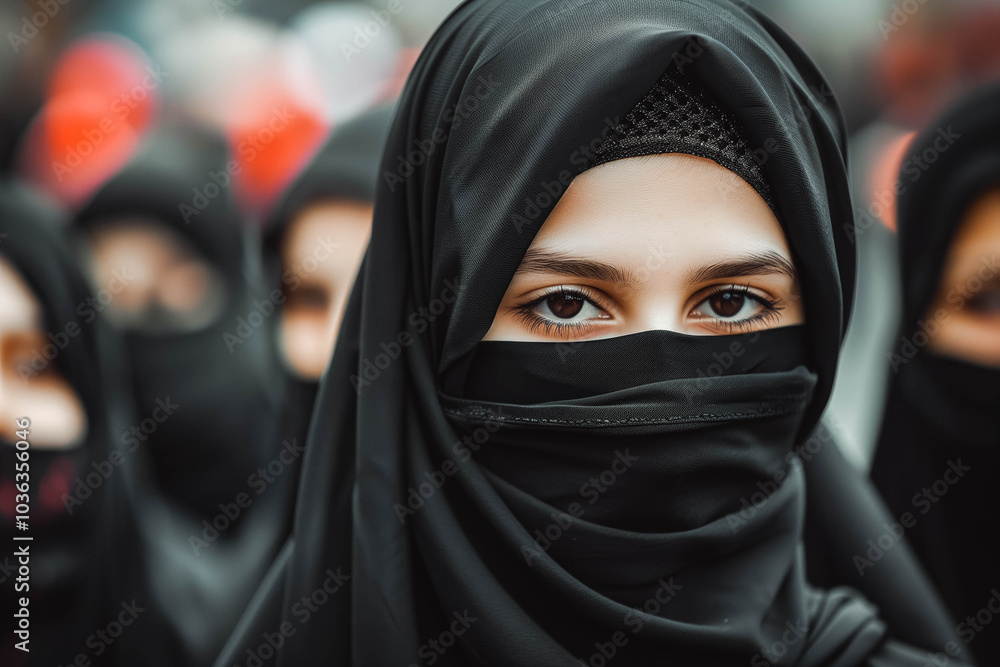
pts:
pixel 68 487
pixel 435 519
pixel 943 413
pixel 221 378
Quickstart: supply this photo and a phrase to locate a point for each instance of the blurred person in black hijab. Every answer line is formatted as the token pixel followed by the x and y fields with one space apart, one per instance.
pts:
pixel 56 357
pixel 206 486
pixel 466 421
pixel 313 246
pixel 193 339
pixel 938 456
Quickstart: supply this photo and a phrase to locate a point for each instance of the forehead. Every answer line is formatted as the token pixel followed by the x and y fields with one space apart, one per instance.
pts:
pixel 692 207
pixel 19 308
pixel 329 226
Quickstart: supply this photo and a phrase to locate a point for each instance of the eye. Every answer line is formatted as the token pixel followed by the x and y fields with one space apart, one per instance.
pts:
pixel 563 310
pixel 736 308
pixel 729 304
pixel 567 307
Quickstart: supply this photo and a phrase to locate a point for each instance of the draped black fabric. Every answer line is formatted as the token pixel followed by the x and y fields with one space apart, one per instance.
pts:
pixel 69 545
pixel 443 517
pixel 941 422
pixel 204 487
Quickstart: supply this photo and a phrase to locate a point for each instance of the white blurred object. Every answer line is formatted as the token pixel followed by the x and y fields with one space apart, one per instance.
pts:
pixel 215 66
pixel 355 50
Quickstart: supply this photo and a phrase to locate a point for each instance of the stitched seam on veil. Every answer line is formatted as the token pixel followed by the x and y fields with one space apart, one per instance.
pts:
pixel 479 414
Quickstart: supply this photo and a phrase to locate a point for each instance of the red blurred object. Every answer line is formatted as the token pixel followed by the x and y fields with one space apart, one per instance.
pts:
pixel 885 175
pixel 272 138
pixel 55 486
pixel 101 98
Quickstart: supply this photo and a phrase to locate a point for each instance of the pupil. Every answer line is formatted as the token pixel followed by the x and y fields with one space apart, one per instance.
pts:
pixel 565 306
pixel 726 304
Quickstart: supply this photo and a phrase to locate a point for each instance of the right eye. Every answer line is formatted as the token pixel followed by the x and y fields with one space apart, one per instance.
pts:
pixel 567 307
pixel 563 312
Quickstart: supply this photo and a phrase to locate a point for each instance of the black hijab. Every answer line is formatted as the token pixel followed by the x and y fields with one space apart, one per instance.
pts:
pixel 219 383
pixel 436 520
pixel 942 413
pixel 68 500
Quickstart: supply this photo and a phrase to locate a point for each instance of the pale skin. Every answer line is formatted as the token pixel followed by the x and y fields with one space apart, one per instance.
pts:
pixel 969 290
pixel 160 268
pixel 311 315
pixel 671 242
pixel 42 395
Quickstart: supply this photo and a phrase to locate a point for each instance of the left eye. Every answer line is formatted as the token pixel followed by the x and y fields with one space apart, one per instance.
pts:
pixel 567 307
pixel 729 305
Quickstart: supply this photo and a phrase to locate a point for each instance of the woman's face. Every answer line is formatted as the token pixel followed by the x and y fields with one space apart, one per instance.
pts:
pixel 154 278
pixel 29 388
pixel 969 291
pixel 323 248
pixel 672 242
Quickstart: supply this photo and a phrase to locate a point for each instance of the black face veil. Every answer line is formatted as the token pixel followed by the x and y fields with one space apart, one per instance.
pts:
pixel 942 412
pixel 435 525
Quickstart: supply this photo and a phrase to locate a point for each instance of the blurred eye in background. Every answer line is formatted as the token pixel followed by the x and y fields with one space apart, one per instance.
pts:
pixel 969 291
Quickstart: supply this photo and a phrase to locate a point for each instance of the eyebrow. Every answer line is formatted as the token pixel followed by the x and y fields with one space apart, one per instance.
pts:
pixel 544 261
pixel 755 264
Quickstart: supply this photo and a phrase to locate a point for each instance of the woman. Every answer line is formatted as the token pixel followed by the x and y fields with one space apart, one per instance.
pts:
pixel 312 249
pixel 467 422
pixel 937 457
pixel 193 331
pixel 208 470
pixel 55 377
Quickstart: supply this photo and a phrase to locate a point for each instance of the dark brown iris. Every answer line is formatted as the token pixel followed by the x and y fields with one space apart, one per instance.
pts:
pixel 564 306
pixel 726 304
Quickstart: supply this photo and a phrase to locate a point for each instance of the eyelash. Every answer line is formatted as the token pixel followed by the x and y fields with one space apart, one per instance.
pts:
pixel 525 311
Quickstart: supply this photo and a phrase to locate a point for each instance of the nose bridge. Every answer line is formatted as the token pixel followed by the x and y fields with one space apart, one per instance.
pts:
pixel 658 298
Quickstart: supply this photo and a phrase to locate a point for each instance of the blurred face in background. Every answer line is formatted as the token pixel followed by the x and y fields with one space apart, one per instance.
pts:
pixel 43 395
pixel 969 291
pixel 321 251
pixel 160 282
